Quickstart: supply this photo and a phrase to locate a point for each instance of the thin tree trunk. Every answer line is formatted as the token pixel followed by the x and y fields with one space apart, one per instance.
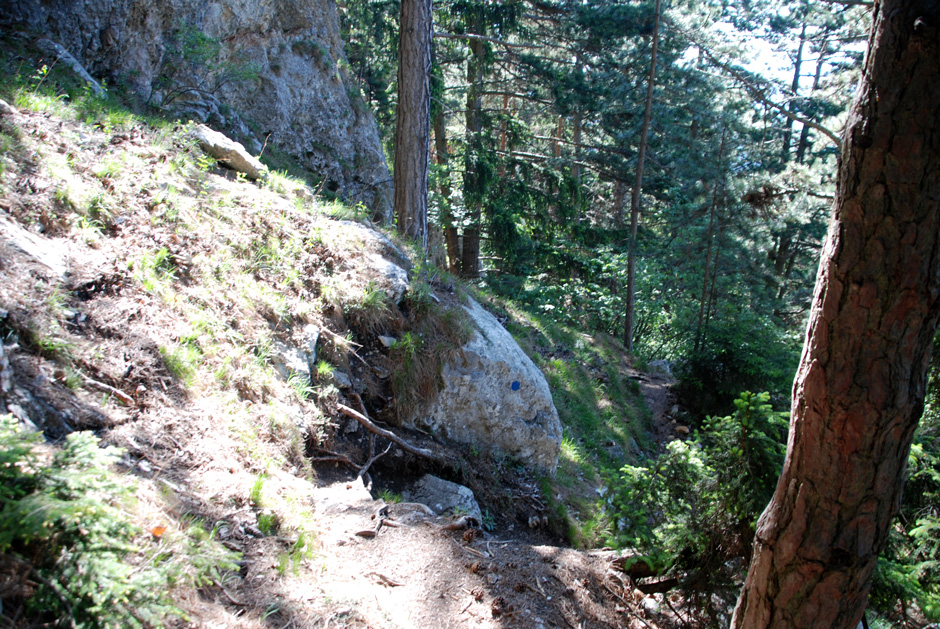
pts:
pixel 473 171
pixel 504 134
pixel 620 195
pixel 713 291
pixel 804 133
pixel 576 166
pixel 859 390
pixel 413 126
pixel 576 126
pixel 708 250
pixel 637 189
pixel 794 88
pixel 451 239
pixel 576 138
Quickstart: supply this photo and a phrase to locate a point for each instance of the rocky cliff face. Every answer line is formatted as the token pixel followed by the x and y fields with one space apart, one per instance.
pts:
pixel 250 67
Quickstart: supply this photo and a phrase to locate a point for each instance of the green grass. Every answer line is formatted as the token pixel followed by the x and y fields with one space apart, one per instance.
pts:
pixel 156 271
pixel 256 495
pixel 302 548
pixel 601 410
pixel 182 361
pixel 68 525
pixel 268 522
pixel 390 496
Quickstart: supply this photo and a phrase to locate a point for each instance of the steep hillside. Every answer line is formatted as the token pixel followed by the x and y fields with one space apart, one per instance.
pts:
pixel 157 299
pixel 272 74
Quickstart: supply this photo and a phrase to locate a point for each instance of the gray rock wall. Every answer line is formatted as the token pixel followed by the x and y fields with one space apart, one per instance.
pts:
pixel 300 90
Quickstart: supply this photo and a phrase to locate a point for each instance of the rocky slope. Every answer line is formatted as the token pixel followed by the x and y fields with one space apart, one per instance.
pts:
pixel 160 300
pixel 269 72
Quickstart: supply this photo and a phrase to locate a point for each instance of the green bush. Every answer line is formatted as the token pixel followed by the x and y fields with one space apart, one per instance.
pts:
pixel 694 508
pixel 64 528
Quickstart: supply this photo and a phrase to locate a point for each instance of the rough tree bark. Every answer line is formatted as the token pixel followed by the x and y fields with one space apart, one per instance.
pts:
pixel 859 390
pixel 413 125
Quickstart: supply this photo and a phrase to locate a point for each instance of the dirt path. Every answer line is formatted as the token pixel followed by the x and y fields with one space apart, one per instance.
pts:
pixel 657 392
pixel 416 573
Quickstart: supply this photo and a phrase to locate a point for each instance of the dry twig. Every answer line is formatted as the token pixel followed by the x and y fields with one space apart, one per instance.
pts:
pixel 404 445
pixel 107 388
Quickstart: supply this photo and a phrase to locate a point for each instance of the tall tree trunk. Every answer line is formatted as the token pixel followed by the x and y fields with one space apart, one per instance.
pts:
pixel 859 390
pixel 713 291
pixel 708 250
pixel 576 167
pixel 630 313
pixel 451 238
pixel 413 125
pixel 576 127
pixel 794 88
pixel 803 143
pixel 620 195
pixel 504 135
pixel 576 138
pixel 473 178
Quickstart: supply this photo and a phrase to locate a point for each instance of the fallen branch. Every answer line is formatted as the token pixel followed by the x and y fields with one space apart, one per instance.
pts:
pixel 626 605
pixel 228 594
pixel 345 341
pixel 365 467
pixel 108 389
pixel 362 404
pixel 404 445
pixel 384 579
pixel 676 612
pixel 334 457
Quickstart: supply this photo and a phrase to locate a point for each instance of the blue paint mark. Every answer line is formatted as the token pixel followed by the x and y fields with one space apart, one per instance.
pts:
pixel 515 385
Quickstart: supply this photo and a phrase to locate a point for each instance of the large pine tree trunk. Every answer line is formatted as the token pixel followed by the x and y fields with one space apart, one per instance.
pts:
pixel 859 391
pixel 413 125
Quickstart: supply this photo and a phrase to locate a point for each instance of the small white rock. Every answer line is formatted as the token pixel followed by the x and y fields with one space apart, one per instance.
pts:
pixel 651 605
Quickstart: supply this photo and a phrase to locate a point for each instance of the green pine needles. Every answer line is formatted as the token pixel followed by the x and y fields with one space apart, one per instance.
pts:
pixel 72 550
pixel 694 508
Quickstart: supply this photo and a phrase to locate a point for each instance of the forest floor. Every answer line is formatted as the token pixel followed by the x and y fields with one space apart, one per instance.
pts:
pixel 112 321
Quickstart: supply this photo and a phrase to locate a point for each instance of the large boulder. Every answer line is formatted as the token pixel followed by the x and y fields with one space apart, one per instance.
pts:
pixel 445 497
pixel 495 396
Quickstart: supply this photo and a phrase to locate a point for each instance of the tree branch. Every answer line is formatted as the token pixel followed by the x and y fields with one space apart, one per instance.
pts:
pixel 759 95
pixel 492 40
pixel 404 445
